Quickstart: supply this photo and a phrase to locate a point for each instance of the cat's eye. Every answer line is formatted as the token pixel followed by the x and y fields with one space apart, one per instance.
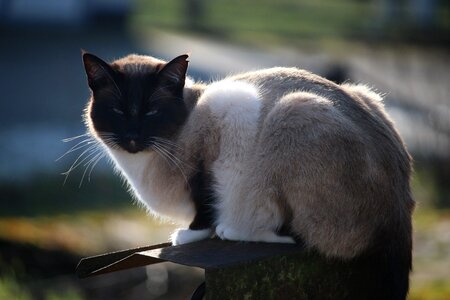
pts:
pixel 117 111
pixel 152 112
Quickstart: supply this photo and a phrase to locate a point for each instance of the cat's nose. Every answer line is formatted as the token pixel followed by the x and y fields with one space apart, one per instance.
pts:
pixel 131 142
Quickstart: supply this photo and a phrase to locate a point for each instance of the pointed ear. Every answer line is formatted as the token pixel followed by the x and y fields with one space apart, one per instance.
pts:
pixel 98 72
pixel 174 72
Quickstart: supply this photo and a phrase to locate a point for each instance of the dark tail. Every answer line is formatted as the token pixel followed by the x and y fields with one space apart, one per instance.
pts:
pixel 383 272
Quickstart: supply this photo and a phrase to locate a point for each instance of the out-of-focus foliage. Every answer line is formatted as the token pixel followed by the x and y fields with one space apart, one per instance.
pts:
pixel 11 289
pixel 294 22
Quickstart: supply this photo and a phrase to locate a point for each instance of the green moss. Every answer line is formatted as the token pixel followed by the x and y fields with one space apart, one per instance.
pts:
pixel 300 276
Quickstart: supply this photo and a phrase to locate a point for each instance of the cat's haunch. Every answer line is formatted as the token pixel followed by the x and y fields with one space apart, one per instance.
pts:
pixel 258 152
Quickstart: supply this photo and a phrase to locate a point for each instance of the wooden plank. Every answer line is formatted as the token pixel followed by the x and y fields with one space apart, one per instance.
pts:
pixel 90 265
pixel 206 254
pixel 216 253
pixel 237 270
pixel 132 261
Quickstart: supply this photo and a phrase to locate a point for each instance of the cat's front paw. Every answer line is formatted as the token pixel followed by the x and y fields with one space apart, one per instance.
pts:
pixel 230 233
pixel 184 236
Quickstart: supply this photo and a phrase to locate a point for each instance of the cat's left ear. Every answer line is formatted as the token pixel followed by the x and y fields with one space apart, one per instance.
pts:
pixel 98 72
pixel 174 72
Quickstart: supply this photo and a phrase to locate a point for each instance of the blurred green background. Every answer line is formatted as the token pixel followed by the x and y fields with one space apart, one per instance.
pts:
pixel 47 223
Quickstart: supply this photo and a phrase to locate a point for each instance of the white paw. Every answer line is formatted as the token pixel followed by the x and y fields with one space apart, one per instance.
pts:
pixel 184 236
pixel 229 233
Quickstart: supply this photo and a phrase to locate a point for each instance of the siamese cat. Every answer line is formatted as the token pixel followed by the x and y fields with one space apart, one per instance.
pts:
pixel 277 155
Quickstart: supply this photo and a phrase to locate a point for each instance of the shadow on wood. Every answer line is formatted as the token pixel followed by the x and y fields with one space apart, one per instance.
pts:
pixel 245 270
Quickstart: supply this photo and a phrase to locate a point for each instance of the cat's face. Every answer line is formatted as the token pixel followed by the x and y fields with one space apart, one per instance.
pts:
pixel 135 101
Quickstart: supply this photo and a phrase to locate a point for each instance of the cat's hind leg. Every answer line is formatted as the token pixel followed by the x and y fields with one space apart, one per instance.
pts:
pixel 250 212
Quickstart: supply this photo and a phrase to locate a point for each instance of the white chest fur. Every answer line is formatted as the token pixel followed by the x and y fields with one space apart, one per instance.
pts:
pixel 162 195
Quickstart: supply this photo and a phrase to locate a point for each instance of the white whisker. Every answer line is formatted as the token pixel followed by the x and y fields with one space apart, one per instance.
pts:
pixel 92 153
pixel 170 145
pixel 74 137
pixel 161 154
pixel 88 164
pixel 79 161
pixel 78 146
pixel 94 164
pixel 177 162
pixel 167 142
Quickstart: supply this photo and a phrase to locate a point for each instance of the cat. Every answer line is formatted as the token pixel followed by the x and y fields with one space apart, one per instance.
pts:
pixel 276 155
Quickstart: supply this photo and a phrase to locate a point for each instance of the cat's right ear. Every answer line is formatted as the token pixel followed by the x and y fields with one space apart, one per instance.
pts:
pixel 98 72
pixel 174 72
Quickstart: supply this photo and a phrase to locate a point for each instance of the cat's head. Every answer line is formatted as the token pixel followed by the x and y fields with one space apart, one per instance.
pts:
pixel 135 100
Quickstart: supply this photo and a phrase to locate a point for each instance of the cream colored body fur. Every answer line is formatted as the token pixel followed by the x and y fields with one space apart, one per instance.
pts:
pixel 283 146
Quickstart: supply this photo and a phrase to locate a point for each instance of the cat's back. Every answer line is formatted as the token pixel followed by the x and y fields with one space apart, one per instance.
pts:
pixel 355 103
pixel 351 106
pixel 278 81
pixel 275 83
